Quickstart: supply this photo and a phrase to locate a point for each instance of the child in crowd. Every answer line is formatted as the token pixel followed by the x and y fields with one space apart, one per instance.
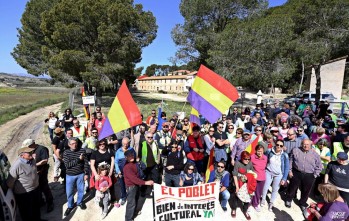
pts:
pixel 102 188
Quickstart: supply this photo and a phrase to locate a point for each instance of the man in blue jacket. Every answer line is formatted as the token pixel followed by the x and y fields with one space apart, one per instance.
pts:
pixel 222 176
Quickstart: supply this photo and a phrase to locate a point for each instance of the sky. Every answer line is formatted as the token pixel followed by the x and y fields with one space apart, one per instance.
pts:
pixel 158 52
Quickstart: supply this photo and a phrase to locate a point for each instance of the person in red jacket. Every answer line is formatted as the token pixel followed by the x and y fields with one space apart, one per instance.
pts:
pixel 132 181
pixel 195 149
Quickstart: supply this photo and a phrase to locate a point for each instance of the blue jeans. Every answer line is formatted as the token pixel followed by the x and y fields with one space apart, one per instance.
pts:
pixel 50 131
pixel 225 197
pixel 122 188
pixel 276 186
pixel 172 180
pixel 71 181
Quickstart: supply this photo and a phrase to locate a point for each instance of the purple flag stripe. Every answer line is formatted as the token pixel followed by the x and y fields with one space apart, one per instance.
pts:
pixel 106 130
pixel 206 109
pixel 194 119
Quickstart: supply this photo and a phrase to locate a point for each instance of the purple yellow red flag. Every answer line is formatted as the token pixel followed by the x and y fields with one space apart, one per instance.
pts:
pixel 210 165
pixel 86 106
pixel 251 148
pixel 211 95
pixel 123 113
pixel 194 116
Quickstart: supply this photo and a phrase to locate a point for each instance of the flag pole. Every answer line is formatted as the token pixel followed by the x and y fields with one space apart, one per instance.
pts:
pixel 178 118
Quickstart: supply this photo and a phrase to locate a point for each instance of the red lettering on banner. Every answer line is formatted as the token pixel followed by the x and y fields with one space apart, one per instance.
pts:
pixel 181 191
pixel 194 191
pixel 164 191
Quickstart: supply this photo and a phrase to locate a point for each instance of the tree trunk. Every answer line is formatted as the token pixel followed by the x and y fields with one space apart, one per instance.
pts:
pixel 318 82
pixel 300 86
pixel 99 96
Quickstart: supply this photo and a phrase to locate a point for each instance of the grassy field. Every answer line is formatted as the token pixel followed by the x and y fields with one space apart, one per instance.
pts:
pixel 144 104
pixel 19 101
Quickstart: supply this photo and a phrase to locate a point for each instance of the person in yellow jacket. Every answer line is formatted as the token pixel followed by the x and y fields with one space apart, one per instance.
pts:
pixel 79 131
pixel 340 147
pixel 149 154
pixel 322 149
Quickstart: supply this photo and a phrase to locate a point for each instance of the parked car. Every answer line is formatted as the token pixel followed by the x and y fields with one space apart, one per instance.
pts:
pixel 306 96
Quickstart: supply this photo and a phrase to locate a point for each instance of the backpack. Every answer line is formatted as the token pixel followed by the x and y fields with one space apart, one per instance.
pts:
pixel 140 169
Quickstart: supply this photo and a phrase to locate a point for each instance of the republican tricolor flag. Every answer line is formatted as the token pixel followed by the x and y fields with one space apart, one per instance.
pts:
pixel 211 95
pixel 123 114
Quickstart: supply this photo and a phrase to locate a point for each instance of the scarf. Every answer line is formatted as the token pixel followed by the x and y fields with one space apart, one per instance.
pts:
pixel 219 175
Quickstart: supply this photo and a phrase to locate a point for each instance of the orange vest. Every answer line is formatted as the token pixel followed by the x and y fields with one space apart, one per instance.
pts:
pixel 194 156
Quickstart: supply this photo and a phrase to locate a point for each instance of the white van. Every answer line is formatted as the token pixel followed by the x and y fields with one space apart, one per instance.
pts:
pixel 310 96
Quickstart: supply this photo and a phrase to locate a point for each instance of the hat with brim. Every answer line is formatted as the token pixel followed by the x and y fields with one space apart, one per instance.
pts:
pixel 246 132
pixel 28 142
pixel 25 150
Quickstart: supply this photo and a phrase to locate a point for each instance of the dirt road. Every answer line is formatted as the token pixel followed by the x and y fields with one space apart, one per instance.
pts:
pixel 32 124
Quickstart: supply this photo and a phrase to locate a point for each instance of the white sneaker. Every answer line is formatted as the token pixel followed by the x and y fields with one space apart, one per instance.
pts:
pixel 104 215
pixel 262 203
pixel 257 208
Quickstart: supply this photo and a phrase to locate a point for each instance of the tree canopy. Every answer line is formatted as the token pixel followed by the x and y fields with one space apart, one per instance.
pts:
pixel 97 41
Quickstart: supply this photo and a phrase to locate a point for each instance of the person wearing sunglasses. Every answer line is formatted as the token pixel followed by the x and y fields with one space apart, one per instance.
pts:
pixel 189 176
pixel 276 172
pixel 300 133
pixel 239 146
pixel 174 164
pixel 222 176
pixel 244 164
pixel 149 154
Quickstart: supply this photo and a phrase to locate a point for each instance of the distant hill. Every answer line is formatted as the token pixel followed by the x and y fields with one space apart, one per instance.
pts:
pixel 25 80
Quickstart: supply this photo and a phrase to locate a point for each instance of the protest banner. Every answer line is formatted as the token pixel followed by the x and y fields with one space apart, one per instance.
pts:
pixel 186 203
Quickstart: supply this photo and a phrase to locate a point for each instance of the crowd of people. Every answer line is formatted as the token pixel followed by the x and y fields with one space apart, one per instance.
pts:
pixel 267 149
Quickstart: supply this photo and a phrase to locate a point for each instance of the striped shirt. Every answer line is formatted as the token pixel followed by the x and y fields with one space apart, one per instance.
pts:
pixel 305 161
pixel 73 164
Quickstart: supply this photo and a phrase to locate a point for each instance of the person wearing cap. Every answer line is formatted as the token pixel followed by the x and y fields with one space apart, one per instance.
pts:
pixel 305 166
pixel 23 179
pixel 337 174
pixel 276 135
pixel 194 147
pixel 133 182
pixel 41 155
pixel 59 137
pixel 240 146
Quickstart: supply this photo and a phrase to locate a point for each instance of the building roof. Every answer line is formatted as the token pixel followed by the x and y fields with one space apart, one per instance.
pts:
pixel 141 77
pixel 164 77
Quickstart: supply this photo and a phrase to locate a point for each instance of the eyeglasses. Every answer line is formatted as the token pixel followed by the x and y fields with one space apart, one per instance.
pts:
pixel 185 121
pixel 175 146
pixel 258 130
pixel 300 130
pixel 211 130
pixel 150 137
pixel 165 126
pixel 279 145
pixel 153 113
pixel 247 159
pixel 190 168
pixel 102 144
pixel 224 117
pixel 235 110
pixel 220 127
pixel 220 167
pixel 94 132
pixel 238 133
pixel 230 127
